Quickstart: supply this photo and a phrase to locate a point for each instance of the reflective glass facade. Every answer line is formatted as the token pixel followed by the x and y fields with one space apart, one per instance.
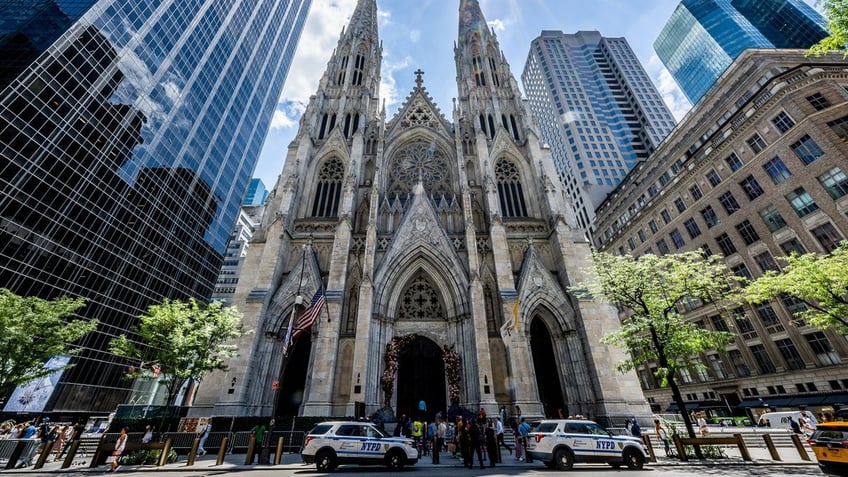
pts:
pixel 703 37
pixel 127 146
pixel 597 109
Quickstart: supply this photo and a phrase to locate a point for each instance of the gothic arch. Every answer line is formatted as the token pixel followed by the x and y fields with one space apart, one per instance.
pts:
pixel 414 154
pixel 542 303
pixel 513 190
pixel 327 189
pixel 394 278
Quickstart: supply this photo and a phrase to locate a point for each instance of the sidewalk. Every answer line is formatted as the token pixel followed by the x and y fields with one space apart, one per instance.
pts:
pixel 292 462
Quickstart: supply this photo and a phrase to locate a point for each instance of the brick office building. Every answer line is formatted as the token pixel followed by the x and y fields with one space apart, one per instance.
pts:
pixel 755 171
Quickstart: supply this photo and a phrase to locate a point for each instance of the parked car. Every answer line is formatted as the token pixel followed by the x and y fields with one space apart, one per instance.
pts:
pixel 830 443
pixel 563 442
pixel 331 444
pixel 781 418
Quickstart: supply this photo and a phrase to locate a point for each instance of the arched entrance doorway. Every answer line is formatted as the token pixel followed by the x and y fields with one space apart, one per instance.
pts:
pixel 421 375
pixel 547 372
pixel 291 392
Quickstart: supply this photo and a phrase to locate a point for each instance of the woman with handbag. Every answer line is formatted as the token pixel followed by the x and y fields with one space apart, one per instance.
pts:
pixel 119 449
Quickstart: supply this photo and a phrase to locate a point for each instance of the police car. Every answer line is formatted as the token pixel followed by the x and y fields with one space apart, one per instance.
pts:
pixel 331 444
pixel 561 443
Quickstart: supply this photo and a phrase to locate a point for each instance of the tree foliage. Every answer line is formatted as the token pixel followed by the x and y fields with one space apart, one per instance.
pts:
pixel 836 13
pixel 649 290
pixel 820 281
pixel 180 340
pixel 32 330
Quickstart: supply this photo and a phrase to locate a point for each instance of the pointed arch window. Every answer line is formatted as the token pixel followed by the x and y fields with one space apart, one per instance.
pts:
pixel 510 192
pixel 420 301
pixel 351 124
pixel 342 71
pixel 358 69
pixel 328 191
pixel 495 79
pixel 328 122
pixel 479 74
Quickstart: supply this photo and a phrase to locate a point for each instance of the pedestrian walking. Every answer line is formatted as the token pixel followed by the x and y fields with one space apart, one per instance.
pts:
pixel 519 449
pixel 258 432
pixel 492 445
pixel 439 439
pixel 113 460
pixel 524 429
pixel 203 436
pixel 499 430
pixel 662 434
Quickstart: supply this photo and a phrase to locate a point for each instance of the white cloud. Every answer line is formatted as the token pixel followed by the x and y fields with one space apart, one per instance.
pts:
pixel 498 25
pixel 415 36
pixel 671 93
pixel 319 39
pixel 388 85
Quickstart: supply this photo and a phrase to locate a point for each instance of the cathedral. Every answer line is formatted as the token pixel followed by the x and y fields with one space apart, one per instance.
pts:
pixel 442 250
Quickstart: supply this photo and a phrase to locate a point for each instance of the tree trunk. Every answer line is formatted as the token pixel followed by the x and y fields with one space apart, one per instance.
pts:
pixel 681 406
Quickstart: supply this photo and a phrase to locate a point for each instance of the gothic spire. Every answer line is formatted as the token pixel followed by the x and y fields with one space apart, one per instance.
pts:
pixel 471 21
pixel 364 18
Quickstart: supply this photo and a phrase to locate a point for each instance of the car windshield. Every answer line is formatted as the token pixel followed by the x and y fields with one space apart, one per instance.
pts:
pixel 546 427
pixel 321 429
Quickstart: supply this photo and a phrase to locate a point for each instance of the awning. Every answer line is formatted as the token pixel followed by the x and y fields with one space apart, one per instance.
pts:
pixel 765 402
pixel 835 399
pixel 689 406
pixel 820 400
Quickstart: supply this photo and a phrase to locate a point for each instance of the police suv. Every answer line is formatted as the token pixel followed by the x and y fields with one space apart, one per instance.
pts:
pixel 331 444
pixel 561 443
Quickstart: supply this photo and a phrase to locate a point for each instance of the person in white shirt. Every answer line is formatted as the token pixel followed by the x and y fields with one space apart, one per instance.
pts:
pixel 499 430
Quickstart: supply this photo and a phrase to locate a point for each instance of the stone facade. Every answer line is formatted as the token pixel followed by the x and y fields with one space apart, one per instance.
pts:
pixel 452 235
pixel 755 171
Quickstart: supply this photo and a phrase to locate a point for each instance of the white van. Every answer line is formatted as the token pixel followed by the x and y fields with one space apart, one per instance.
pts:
pixel 781 419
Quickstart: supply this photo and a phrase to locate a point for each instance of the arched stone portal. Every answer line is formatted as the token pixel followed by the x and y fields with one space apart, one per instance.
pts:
pixel 547 369
pixel 421 375
pixel 293 383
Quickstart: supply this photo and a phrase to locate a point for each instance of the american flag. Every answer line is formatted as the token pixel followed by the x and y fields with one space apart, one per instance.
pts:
pixel 310 314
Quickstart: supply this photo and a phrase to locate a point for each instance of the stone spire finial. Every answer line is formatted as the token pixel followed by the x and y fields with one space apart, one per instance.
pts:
pixel 418 77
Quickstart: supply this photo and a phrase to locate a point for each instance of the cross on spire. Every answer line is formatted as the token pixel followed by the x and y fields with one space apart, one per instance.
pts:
pixel 418 79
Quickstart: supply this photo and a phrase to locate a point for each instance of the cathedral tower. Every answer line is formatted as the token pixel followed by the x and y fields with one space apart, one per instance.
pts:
pixel 445 248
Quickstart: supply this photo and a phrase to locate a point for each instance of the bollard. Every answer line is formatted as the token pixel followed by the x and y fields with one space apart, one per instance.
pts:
pixel 72 452
pixel 163 458
pixel 222 450
pixel 771 447
pixel 16 454
pixel 248 459
pixel 743 449
pixel 45 453
pixel 800 447
pixel 647 440
pixel 279 455
pixel 192 454
pixel 681 451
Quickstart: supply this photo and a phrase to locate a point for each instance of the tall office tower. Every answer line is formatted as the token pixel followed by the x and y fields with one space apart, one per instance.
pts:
pixel 597 109
pixel 237 248
pixel 703 37
pixel 127 143
pixel 256 192
pixel 444 250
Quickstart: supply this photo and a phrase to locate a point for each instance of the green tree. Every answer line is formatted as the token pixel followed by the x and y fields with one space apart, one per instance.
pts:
pixel 820 281
pixel 180 340
pixel 836 13
pixel 649 290
pixel 33 330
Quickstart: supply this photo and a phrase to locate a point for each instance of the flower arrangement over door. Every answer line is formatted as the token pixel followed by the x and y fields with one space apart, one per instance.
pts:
pixel 453 370
pixel 390 363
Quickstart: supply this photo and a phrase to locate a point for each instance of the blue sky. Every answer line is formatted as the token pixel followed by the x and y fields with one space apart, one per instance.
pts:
pixel 421 34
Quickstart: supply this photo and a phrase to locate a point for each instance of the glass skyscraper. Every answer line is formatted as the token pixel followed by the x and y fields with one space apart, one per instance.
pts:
pixel 703 37
pixel 256 192
pixel 597 109
pixel 129 131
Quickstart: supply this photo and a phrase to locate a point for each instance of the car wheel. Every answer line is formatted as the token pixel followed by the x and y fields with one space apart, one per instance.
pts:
pixel 325 460
pixel 634 459
pixel 395 459
pixel 564 459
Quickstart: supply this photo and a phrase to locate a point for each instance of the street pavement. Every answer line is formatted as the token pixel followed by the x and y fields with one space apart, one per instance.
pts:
pixel 291 464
